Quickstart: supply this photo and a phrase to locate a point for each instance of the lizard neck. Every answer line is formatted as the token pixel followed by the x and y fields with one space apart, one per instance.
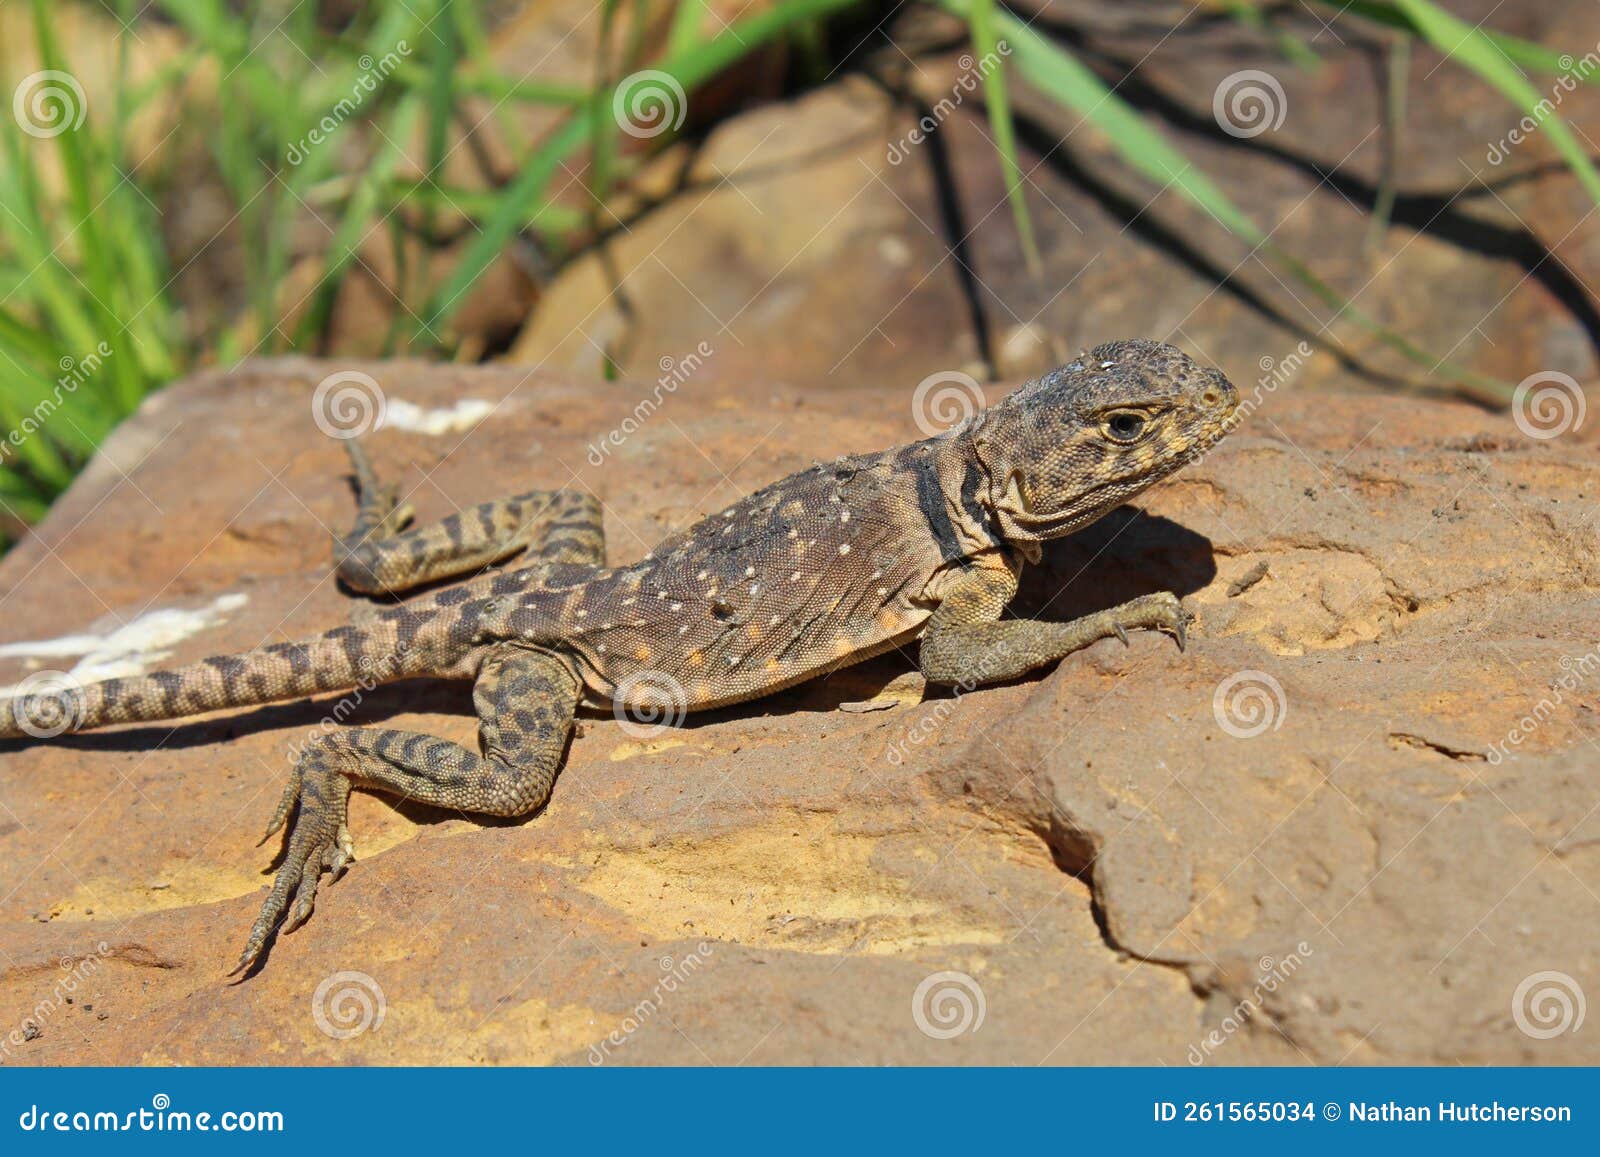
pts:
pixel 963 492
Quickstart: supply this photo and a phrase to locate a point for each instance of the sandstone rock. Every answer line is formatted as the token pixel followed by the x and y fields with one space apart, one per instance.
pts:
pixel 1355 822
pixel 820 228
pixel 1088 857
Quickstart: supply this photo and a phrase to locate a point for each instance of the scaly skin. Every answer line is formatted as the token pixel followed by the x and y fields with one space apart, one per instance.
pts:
pixel 822 569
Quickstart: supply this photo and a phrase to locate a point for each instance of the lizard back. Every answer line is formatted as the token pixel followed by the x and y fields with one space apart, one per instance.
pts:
pixel 823 568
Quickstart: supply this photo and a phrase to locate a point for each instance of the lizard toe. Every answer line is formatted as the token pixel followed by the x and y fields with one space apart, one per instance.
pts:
pixel 286 802
pixel 318 839
pixel 344 850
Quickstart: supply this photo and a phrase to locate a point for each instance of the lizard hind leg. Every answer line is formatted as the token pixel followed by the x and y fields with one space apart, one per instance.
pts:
pixel 525 701
pixel 380 555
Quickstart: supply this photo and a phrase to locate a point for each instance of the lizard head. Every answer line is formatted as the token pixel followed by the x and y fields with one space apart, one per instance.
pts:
pixel 1074 444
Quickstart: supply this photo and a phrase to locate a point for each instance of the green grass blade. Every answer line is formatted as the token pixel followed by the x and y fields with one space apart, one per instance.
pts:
pixel 74 149
pixel 1473 50
pixel 358 216
pixel 986 47
pixel 1066 79
pixel 1294 50
pixel 1523 53
pixel 518 201
pixel 687 21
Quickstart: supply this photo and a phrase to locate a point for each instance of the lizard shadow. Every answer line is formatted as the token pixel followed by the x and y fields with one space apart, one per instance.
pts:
pixel 1124 555
pixel 1127 553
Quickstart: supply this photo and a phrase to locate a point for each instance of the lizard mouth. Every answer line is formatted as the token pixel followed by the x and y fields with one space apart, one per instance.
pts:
pixel 1018 503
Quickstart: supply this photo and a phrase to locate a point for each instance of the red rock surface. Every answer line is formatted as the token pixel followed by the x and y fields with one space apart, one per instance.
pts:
pixel 1100 858
pixel 1114 870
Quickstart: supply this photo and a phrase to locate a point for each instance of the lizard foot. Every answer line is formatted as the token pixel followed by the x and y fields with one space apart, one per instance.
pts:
pixel 318 839
pixel 1160 612
pixel 382 513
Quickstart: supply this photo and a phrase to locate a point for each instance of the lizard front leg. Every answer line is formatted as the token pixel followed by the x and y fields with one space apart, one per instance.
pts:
pixel 525 700
pixel 555 526
pixel 967 643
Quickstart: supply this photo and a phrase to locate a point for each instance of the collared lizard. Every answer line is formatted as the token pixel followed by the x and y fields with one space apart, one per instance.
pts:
pixel 825 568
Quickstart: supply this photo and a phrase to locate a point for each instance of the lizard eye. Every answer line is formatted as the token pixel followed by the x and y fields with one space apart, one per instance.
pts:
pixel 1125 426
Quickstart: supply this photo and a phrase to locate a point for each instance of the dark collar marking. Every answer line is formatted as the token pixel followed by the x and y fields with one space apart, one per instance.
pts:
pixel 971 482
pixel 930 497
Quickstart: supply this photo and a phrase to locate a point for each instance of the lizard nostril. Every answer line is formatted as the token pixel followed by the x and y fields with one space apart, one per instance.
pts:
pixel 1211 397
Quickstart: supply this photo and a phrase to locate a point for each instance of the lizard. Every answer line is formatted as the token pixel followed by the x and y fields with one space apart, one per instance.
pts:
pixel 825 568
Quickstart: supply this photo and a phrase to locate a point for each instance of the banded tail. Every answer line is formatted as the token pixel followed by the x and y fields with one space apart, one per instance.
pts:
pixel 397 646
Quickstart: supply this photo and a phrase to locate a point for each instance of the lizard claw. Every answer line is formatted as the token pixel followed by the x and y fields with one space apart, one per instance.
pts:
pixel 291 792
pixel 318 840
pixel 344 850
pixel 1160 611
